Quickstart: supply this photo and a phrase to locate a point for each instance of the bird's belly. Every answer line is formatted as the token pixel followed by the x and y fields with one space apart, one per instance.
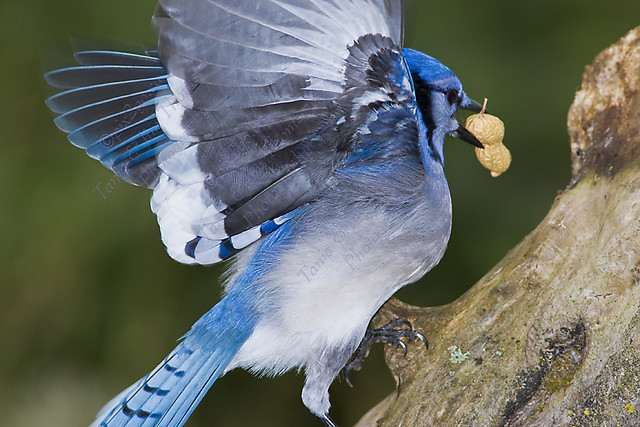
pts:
pixel 329 282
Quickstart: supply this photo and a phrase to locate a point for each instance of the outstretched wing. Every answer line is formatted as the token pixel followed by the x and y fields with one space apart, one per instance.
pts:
pixel 246 113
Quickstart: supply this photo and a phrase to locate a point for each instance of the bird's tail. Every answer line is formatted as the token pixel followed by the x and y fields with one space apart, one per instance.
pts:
pixel 168 395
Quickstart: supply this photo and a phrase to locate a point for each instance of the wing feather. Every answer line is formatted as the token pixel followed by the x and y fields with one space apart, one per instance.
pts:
pixel 261 92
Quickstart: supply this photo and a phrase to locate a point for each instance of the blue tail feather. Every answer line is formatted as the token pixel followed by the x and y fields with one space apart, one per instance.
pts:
pixel 168 395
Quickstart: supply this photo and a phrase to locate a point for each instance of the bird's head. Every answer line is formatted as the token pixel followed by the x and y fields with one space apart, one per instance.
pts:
pixel 439 96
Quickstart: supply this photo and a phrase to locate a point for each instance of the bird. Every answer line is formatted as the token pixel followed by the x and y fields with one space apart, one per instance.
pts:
pixel 300 142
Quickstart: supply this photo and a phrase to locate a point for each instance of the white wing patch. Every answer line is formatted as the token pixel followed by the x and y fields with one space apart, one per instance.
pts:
pixel 177 208
pixel 180 163
pixel 170 114
pixel 369 98
pixel 180 90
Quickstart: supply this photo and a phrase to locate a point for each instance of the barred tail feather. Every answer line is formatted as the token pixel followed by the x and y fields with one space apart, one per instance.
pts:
pixel 171 392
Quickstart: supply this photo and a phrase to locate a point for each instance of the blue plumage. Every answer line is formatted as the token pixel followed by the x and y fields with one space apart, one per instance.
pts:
pixel 298 138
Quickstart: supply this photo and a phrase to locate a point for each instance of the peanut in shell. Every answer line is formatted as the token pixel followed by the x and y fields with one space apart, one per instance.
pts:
pixel 490 131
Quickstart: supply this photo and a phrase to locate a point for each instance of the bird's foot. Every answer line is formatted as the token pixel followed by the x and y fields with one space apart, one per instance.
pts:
pixel 391 333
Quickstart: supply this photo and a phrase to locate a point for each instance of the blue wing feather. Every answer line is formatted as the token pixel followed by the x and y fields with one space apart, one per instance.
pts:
pixel 107 106
pixel 107 57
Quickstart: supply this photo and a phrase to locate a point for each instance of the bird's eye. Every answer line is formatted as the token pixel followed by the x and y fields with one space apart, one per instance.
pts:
pixel 453 96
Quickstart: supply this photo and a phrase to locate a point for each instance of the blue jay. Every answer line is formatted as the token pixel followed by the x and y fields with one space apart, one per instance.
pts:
pixel 296 138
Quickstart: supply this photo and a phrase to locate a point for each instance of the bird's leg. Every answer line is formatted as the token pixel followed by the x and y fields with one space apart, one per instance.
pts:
pixel 391 333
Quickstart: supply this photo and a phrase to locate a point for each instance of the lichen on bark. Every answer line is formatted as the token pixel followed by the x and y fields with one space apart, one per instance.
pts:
pixel 553 331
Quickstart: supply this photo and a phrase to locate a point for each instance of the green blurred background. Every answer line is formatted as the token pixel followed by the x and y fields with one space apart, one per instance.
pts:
pixel 90 300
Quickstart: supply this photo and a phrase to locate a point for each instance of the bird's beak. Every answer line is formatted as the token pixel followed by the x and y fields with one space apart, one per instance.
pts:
pixel 462 132
pixel 466 136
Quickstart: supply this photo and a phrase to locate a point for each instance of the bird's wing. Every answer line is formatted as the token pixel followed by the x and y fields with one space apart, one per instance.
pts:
pixel 265 100
pixel 246 113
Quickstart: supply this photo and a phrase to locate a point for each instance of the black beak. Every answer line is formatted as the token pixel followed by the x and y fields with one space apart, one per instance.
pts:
pixel 462 132
pixel 467 136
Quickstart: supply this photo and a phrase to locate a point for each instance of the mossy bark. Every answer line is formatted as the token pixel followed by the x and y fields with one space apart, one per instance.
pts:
pixel 551 335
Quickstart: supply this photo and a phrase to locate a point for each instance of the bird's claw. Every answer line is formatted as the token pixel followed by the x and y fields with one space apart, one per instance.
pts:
pixel 328 422
pixel 422 338
pixel 351 366
pixel 401 343
pixel 391 333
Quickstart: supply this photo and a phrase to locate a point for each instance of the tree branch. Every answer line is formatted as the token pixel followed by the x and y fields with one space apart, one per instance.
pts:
pixel 551 335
